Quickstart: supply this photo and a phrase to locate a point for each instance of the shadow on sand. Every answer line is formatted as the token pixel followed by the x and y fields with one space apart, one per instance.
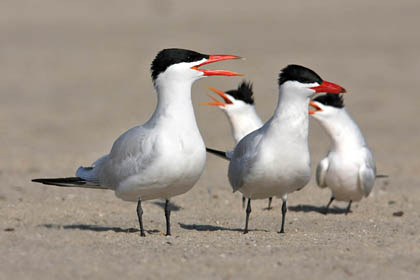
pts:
pixel 319 209
pixel 95 228
pixel 213 228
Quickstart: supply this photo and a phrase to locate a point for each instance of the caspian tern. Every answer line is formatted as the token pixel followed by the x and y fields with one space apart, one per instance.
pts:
pixel 239 106
pixel 274 160
pixel 164 157
pixel 349 168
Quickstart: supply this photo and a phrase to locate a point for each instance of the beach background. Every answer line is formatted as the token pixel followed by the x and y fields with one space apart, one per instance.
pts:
pixel 74 75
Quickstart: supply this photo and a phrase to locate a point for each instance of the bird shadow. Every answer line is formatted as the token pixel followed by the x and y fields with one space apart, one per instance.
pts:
pixel 318 209
pixel 95 228
pixel 172 206
pixel 213 228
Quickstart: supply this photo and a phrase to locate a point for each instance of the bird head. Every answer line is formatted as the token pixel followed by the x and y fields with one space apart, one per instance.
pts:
pixel 305 81
pixel 233 100
pixel 181 64
pixel 326 106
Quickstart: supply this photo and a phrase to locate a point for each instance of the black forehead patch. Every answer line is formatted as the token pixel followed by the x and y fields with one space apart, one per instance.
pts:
pixel 298 73
pixel 244 92
pixel 168 57
pixel 329 99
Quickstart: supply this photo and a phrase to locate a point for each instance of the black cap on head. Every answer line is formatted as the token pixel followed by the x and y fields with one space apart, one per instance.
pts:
pixel 244 92
pixel 168 57
pixel 333 100
pixel 298 73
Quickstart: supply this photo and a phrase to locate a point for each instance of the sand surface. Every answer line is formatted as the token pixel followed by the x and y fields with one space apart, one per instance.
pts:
pixel 74 75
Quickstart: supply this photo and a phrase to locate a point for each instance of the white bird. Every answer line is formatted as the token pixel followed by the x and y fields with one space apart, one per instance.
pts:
pixel 239 107
pixel 274 160
pixel 164 157
pixel 349 168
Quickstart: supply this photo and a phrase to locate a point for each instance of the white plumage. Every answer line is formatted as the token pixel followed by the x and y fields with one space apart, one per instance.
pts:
pixel 349 168
pixel 164 157
pixel 274 159
pixel 240 111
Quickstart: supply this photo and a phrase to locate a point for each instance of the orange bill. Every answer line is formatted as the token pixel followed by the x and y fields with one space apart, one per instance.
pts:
pixel 317 108
pixel 215 58
pixel 215 101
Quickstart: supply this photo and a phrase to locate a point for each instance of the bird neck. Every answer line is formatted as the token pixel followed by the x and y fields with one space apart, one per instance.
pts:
pixel 174 106
pixel 343 131
pixel 291 116
pixel 243 121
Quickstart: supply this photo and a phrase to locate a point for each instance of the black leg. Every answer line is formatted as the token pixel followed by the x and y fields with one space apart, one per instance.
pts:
pixel 243 202
pixel 283 215
pixel 270 199
pixel 139 215
pixel 328 205
pixel 348 207
pixel 248 211
pixel 167 216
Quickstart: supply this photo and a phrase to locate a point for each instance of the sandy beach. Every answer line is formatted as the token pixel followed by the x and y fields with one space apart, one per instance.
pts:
pixel 75 75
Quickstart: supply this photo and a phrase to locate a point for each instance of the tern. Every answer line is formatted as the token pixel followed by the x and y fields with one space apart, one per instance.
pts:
pixel 274 159
pixel 349 168
pixel 239 107
pixel 164 157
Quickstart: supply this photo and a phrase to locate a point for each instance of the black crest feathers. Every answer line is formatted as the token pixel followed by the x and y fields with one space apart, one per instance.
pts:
pixel 244 92
pixel 168 57
pixel 334 100
pixel 298 73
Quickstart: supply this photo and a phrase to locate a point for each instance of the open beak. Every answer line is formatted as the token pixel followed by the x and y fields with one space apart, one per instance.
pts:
pixel 329 87
pixel 317 108
pixel 215 58
pixel 215 101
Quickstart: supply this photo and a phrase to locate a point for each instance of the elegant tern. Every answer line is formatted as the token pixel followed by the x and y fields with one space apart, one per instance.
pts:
pixel 274 159
pixel 164 157
pixel 239 107
pixel 349 168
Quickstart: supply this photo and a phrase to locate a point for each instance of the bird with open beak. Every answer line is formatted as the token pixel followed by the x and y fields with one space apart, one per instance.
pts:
pixel 239 106
pixel 274 159
pixel 349 168
pixel 165 156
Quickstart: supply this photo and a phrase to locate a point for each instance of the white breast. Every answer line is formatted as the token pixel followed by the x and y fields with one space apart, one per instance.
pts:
pixel 178 161
pixel 342 176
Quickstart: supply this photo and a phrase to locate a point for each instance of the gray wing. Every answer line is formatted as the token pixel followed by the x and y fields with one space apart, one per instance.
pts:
pixel 367 172
pixel 244 155
pixel 91 173
pixel 132 153
pixel 321 172
pixel 229 154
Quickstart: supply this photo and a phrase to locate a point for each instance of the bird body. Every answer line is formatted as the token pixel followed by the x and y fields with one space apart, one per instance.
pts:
pixel 349 168
pixel 136 161
pixel 164 157
pixel 274 159
pixel 240 110
pixel 277 154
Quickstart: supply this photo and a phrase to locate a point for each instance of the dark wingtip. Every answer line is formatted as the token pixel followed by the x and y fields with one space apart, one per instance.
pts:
pixel 60 181
pixel 217 153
